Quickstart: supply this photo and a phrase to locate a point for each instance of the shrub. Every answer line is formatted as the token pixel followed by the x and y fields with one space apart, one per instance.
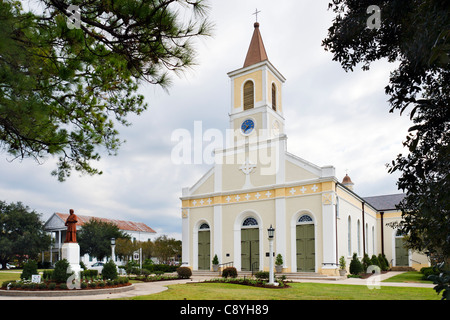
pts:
pixel 109 270
pixel 375 262
pixel 60 274
pixel 184 272
pixel 229 272
pixel 52 286
pixel 355 265
pixel 29 269
pixel 366 262
pixel 90 273
pixel 429 271
pixel 215 260
pixel 262 275
pixel 384 265
pixel 63 286
pixel 47 275
pixel 279 260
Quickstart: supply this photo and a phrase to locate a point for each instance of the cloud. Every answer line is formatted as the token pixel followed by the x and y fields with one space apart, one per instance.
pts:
pixel 332 118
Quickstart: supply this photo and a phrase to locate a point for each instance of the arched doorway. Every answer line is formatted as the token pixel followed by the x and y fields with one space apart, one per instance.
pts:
pixel 401 252
pixel 204 247
pixel 250 245
pixel 305 241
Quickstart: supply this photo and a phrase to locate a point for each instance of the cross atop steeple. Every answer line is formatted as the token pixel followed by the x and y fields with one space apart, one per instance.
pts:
pixel 256 14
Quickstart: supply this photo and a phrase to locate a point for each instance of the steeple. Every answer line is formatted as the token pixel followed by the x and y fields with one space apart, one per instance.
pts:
pixel 256 52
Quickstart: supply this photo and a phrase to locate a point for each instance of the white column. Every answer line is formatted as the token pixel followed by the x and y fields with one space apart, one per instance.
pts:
pixel 329 231
pixel 280 226
pixel 217 232
pixel 185 239
pixel 271 272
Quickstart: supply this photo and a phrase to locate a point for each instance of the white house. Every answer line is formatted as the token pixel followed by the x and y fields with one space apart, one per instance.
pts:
pixel 55 225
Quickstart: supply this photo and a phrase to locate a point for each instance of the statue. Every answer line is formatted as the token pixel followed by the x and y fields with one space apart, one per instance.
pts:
pixel 71 223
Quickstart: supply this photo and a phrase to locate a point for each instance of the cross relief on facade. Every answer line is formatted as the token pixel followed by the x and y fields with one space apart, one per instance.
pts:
pixel 247 168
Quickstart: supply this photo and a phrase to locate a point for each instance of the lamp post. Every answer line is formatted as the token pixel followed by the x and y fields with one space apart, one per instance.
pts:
pixel 271 232
pixel 113 246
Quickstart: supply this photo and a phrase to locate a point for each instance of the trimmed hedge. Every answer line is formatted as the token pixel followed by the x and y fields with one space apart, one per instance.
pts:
pixel 229 272
pixel 184 272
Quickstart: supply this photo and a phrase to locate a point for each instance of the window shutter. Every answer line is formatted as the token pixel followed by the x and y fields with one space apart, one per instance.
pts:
pixel 249 95
pixel 274 97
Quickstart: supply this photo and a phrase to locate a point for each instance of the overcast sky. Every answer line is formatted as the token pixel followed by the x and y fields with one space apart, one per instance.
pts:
pixel 332 118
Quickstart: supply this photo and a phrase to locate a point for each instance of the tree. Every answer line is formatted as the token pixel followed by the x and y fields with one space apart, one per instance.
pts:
pixel 356 266
pixel 63 90
pixel 415 35
pixel 165 248
pixel 95 238
pixel 22 234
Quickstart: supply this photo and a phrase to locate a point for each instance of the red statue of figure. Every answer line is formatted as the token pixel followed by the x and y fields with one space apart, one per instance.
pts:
pixel 71 223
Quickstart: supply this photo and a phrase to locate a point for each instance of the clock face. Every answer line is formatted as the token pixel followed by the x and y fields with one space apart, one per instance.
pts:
pixel 248 126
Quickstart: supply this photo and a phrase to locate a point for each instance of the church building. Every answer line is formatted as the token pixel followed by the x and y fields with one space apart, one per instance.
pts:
pixel 256 183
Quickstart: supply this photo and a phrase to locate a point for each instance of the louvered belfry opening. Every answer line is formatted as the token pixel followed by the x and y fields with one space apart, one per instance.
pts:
pixel 274 97
pixel 249 95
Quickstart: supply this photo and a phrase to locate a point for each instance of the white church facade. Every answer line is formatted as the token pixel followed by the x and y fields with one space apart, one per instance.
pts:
pixel 256 183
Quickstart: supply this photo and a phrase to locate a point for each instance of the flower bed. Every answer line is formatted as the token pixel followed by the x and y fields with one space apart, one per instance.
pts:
pixel 85 284
pixel 281 284
pixel 154 278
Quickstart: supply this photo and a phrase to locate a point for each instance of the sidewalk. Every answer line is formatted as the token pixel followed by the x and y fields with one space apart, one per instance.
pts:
pixel 141 289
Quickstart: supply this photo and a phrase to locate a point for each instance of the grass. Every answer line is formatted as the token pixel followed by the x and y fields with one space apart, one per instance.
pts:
pixel 298 291
pixel 6 275
pixel 408 277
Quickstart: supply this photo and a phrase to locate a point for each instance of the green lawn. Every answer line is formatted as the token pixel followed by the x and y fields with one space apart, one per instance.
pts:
pixel 298 291
pixel 410 276
pixel 6 275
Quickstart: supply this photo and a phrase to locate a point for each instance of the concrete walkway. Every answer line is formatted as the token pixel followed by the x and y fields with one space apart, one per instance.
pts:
pixel 141 289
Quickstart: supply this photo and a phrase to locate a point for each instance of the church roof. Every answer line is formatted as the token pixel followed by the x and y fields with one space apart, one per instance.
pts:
pixel 256 52
pixel 386 202
pixel 121 224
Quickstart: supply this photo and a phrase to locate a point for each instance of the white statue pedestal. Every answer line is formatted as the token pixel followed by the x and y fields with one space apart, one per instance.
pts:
pixel 71 252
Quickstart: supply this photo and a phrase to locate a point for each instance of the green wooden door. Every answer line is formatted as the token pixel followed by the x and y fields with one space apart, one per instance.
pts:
pixel 305 248
pixel 204 247
pixel 401 253
pixel 249 249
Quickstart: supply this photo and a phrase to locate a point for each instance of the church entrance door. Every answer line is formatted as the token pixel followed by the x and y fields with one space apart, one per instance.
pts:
pixel 204 247
pixel 249 249
pixel 401 253
pixel 305 248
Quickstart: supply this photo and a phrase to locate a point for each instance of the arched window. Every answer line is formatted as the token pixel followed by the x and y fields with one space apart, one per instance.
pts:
pixel 274 97
pixel 366 247
pixel 358 230
pixel 204 227
pixel 305 219
pixel 349 237
pixel 250 222
pixel 249 95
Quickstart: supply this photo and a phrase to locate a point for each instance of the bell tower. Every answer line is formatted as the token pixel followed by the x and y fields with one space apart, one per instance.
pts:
pixel 256 91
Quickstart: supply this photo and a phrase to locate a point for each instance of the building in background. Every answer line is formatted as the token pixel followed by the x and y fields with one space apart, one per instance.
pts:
pixel 55 225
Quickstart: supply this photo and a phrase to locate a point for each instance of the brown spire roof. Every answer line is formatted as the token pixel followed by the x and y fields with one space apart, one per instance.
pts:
pixel 256 52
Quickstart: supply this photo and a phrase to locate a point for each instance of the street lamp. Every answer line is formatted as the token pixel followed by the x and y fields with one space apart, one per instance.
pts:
pixel 113 246
pixel 271 232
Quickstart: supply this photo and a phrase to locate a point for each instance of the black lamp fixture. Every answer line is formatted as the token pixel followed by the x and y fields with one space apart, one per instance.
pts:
pixel 271 232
